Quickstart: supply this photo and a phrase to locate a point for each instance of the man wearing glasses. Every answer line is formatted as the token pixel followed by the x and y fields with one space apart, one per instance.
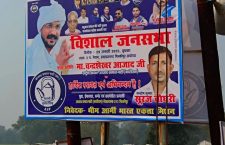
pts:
pixel 121 24
pixel 72 21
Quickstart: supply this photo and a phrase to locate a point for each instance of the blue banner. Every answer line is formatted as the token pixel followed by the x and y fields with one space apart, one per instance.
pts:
pixel 104 60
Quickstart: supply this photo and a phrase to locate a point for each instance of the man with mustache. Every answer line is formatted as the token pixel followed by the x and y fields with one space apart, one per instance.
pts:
pixel 138 22
pixel 45 52
pixel 120 23
pixel 159 70
pixel 167 11
pixel 95 18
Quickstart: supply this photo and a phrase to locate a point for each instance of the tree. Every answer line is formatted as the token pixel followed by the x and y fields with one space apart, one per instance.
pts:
pixel 182 134
pixel 113 134
pixel 178 134
pixel 9 136
pixel 91 129
pixel 132 133
pixel 33 131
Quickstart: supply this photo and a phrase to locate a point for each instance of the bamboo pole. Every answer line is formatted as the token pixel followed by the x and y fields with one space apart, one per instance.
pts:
pixel 104 133
pixel 162 133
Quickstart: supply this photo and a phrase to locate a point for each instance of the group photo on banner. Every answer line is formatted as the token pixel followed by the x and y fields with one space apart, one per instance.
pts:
pixel 104 60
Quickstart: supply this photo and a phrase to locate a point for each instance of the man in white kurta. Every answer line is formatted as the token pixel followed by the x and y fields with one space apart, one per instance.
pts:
pixel 45 52
pixel 83 19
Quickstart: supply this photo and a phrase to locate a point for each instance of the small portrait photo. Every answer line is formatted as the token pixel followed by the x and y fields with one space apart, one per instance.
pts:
pixel 138 22
pixel 89 2
pixel 83 19
pixel 137 2
pixel 94 18
pixel 106 17
pixel 163 11
pixel 84 2
pixel 120 23
pixel 124 2
pixel 101 1
pixel 94 1
pixel 77 4
pixel 72 22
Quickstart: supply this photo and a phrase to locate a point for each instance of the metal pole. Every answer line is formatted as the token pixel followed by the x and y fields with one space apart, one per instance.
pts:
pixel 73 133
pixel 211 68
pixel 104 133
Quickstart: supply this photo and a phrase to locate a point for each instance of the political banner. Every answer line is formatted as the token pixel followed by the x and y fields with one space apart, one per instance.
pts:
pixel 104 60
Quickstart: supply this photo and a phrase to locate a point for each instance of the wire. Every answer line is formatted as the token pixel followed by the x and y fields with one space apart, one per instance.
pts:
pixel 166 75
pixel 157 88
pixel 158 63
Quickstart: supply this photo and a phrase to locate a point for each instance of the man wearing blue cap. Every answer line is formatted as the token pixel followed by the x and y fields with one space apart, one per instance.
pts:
pixel 45 52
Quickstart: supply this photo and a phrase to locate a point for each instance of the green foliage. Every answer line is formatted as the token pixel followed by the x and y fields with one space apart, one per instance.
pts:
pixel 33 131
pixel 181 134
pixel 113 134
pixel 129 133
pixel 199 132
pixel 187 134
pixel 178 134
pixel 91 129
pixel 9 136
pixel 151 135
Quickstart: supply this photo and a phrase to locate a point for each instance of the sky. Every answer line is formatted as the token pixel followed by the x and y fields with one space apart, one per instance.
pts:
pixel 12 27
pixel 12 44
